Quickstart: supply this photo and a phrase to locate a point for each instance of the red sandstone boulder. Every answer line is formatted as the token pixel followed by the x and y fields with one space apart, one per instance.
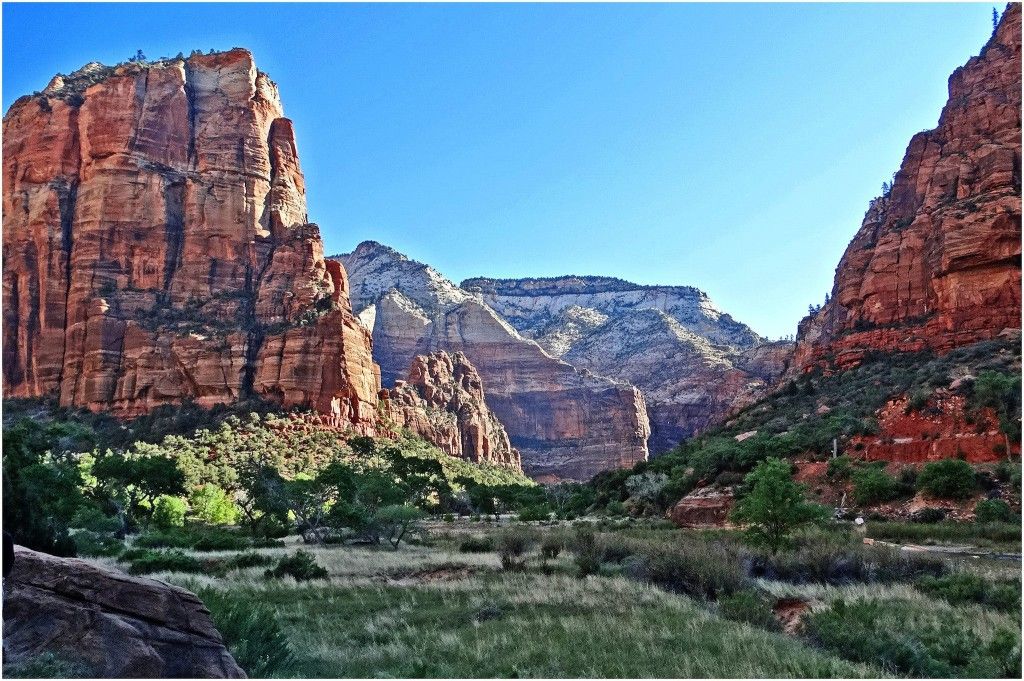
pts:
pixel 703 507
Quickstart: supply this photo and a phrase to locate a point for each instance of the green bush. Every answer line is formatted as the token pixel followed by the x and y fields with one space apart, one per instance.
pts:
pixel 838 561
pixel 161 561
pixel 587 553
pixel 992 511
pixel 948 479
pixel 551 545
pixel 476 544
pixel 93 519
pixel 301 565
pixel 249 559
pixel 881 633
pixel 872 485
pixel 169 512
pixel 533 513
pixel 700 569
pixel 839 468
pixel 96 544
pixel 965 587
pixel 748 606
pixel 252 633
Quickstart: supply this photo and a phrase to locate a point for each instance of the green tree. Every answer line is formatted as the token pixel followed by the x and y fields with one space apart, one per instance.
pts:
pixel 396 521
pixel 774 506
pixel 212 504
pixel 137 481
pixel 40 488
pixel 169 512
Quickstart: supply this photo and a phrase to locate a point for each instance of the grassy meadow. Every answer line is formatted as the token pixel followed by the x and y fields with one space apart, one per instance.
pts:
pixel 444 606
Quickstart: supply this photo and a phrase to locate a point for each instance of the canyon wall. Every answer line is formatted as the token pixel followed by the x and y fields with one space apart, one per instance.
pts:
pixel 442 400
pixel 566 421
pixel 937 261
pixel 693 363
pixel 156 248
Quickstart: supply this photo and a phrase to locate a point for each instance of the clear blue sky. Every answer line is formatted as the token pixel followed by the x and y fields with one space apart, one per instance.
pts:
pixel 729 147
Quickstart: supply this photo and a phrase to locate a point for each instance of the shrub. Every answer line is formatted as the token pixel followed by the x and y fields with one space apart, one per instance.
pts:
pixel 872 485
pixel 301 565
pixel 476 544
pixel 839 468
pixel 965 587
pixel 992 511
pixel 929 515
pixel 532 513
pixel 748 606
pixel 880 633
pixel 93 519
pixel 551 545
pixel 169 512
pixel 697 568
pixel 616 508
pixel 252 633
pixel 97 544
pixel 249 559
pixel 161 561
pixel 512 544
pixel 587 553
pixel 948 479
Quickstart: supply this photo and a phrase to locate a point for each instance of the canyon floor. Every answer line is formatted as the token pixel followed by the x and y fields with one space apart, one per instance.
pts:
pixel 442 605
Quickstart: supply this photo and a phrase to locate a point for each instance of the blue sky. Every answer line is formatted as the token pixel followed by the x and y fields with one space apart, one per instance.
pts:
pixel 729 147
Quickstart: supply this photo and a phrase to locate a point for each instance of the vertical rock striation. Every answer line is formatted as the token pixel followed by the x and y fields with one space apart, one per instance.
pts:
pixel 443 401
pixel 937 262
pixel 566 421
pixel 156 247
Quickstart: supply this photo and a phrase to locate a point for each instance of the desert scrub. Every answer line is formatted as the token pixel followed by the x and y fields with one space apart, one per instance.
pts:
pixel 512 545
pixel 749 606
pixel 476 544
pixel 300 565
pixel 251 632
pixel 908 639
pixel 523 624
pixel 948 479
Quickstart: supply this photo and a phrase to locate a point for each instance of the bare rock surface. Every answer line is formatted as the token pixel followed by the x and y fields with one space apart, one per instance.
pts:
pixel 442 400
pixel 116 625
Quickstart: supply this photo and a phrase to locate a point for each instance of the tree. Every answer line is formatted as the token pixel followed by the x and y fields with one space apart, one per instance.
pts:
pixel 995 20
pixel 775 505
pixel 395 521
pixel 137 481
pixel 1001 393
pixel 40 489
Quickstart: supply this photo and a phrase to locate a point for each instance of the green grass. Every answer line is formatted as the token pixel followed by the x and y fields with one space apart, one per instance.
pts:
pixel 527 625
pixel 1006 535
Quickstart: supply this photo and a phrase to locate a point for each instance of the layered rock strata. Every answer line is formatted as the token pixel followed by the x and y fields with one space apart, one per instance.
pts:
pixel 156 248
pixel 107 624
pixel 442 400
pixel 937 261
pixel 565 421
pixel 693 363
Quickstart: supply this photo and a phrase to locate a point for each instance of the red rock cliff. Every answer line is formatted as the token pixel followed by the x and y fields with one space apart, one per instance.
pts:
pixel 937 262
pixel 156 247
pixel 443 402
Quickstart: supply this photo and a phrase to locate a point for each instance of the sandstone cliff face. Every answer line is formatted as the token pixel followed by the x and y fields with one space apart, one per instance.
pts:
pixel 936 263
pixel 693 363
pixel 442 401
pixel 115 625
pixel 156 247
pixel 566 422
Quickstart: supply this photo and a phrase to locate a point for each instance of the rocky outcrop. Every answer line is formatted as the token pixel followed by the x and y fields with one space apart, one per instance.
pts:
pixel 937 261
pixel 566 421
pixel 693 363
pixel 704 507
pixel 115 625
pixel 442 401
pixel 156 248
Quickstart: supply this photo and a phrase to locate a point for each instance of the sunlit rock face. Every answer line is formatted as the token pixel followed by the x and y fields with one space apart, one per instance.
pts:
pixel 156 247
pixel 693 363
pixel 565 421
pixel 442 400
pixel 936 263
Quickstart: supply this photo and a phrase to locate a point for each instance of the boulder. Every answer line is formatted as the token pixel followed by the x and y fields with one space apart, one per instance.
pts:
pixel 115 625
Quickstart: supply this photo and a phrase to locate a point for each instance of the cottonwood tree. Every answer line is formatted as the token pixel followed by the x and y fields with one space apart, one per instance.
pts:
pixel 775 505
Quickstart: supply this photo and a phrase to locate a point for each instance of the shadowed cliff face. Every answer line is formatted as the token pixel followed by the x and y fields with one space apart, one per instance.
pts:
pixel 566 422
pixel 156 247
pixel 936 263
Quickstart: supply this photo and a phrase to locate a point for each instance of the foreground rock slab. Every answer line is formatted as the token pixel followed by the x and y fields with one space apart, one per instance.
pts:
pixel 117 625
